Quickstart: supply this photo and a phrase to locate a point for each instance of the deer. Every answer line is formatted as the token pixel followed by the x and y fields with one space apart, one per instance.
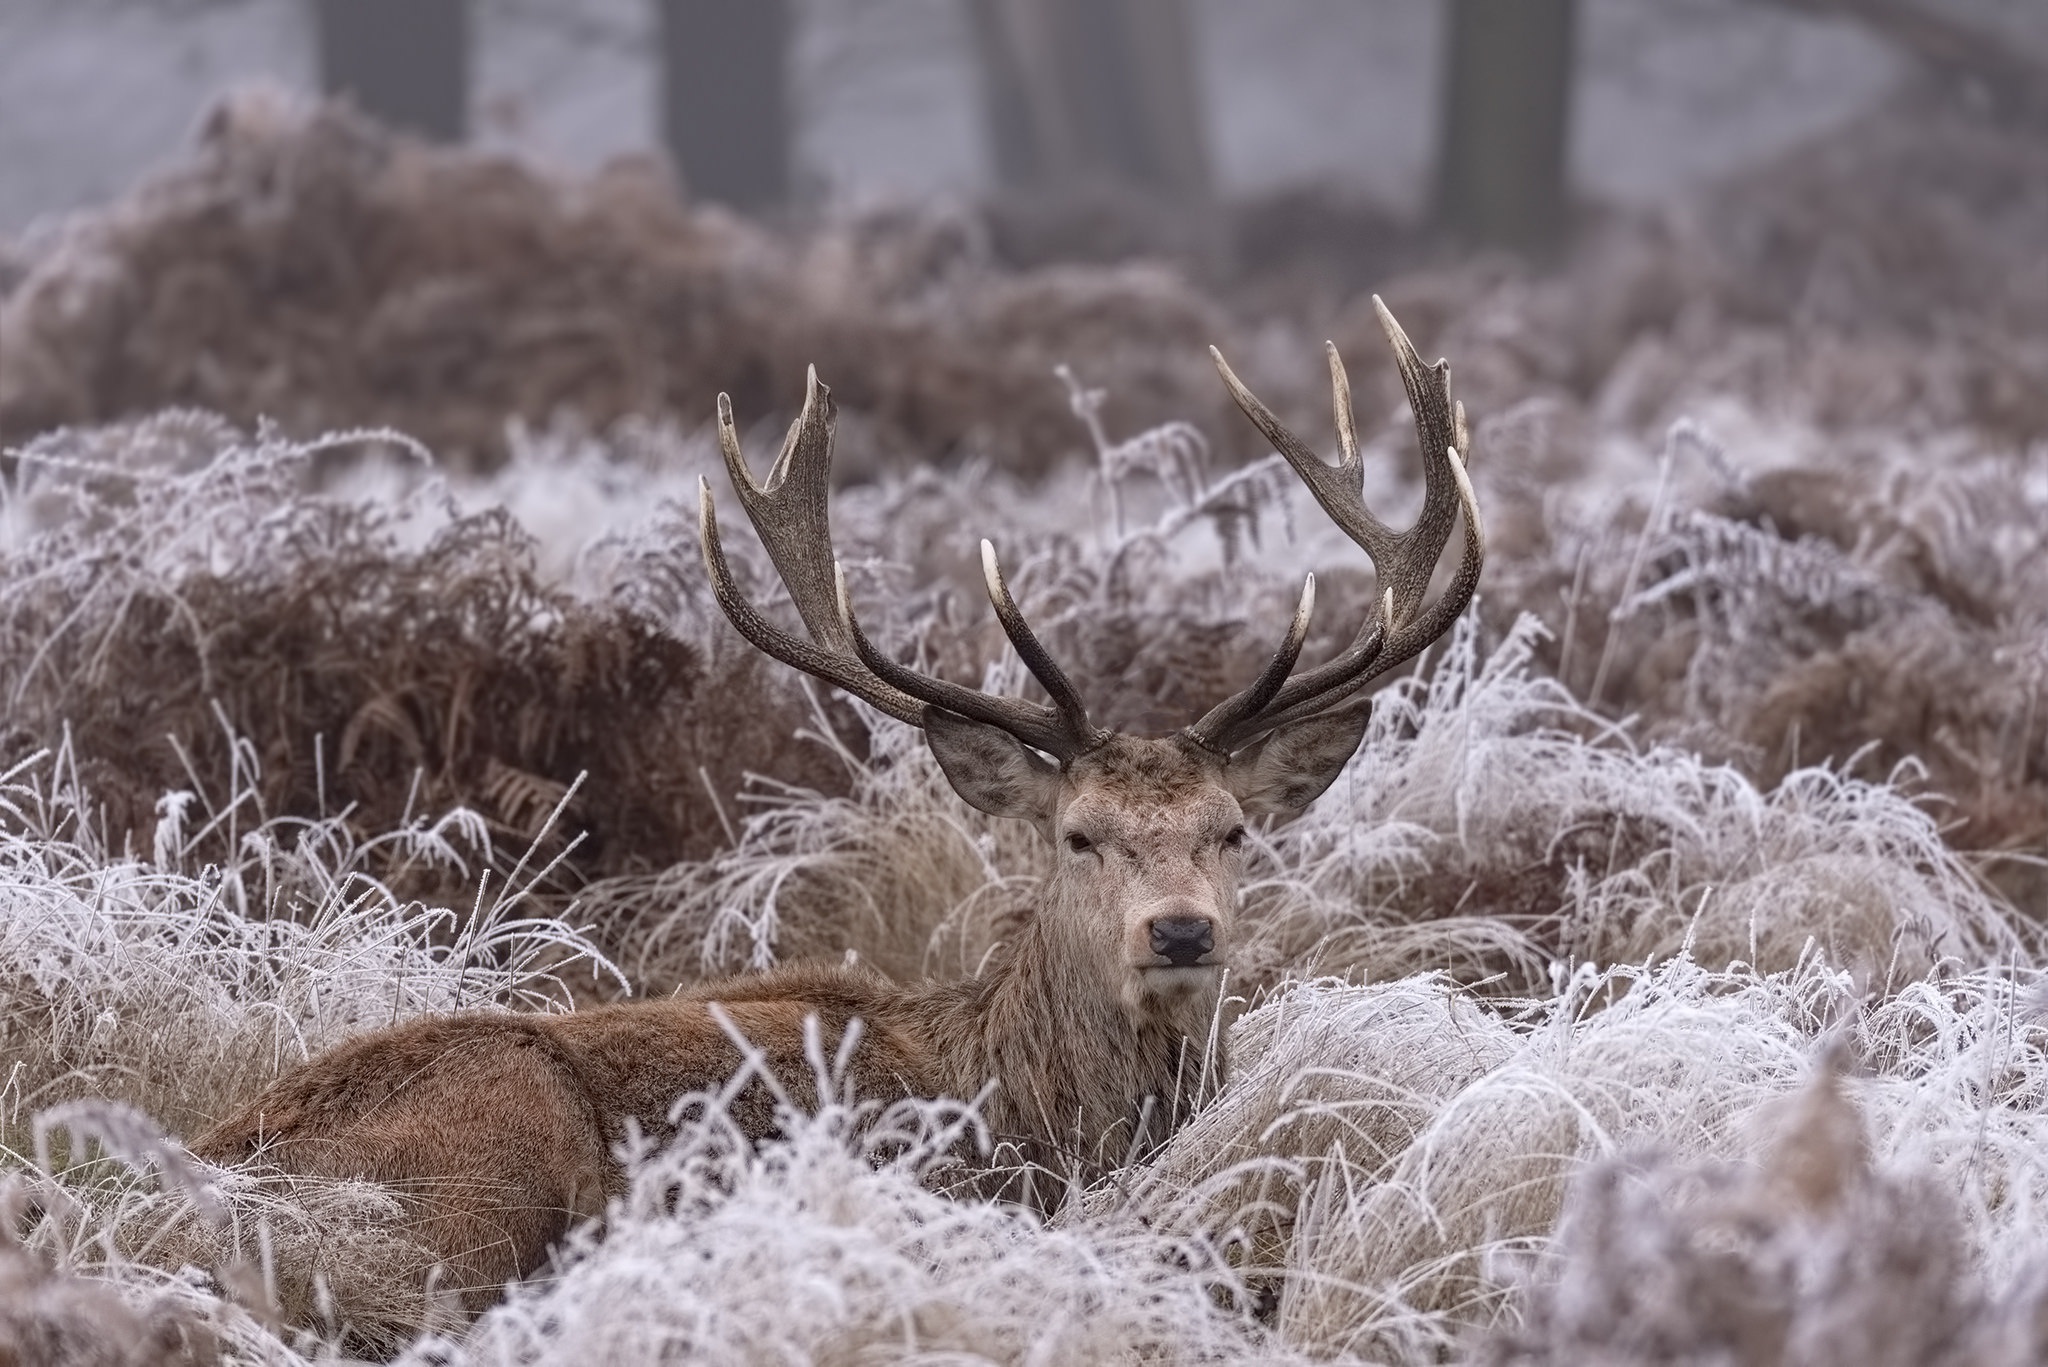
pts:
pixel 1087 1038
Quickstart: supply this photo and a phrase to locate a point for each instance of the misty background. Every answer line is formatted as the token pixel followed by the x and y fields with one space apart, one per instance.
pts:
pixel 886 98
pixel 447 215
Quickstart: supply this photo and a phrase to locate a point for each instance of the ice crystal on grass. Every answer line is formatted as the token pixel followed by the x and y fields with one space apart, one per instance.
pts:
pixel 1390 1158
pixel 48 1316
pixel 183 989
pixel 179 1257
pixel 1876 603
pixel 1493 824
pixel 828 1245
pixel 1814 1255
pixel 327 655
pixel 304 263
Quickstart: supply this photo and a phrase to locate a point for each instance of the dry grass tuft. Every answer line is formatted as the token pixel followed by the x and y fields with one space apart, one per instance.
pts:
pixel 1809 1257
pixel 49 1315
pixel 334 656
pixel 1391 1160
pixel 190 1263
pixel 306 265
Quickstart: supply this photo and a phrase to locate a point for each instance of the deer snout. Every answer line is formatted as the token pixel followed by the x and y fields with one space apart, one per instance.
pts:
pixel 1183 940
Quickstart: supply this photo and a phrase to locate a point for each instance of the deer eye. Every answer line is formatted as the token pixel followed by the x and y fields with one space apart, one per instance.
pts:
pixel 1079 843
pixel 1235 840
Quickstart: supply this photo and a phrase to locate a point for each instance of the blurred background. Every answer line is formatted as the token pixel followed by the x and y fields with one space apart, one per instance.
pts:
pixel 1495 114
pixel 444 213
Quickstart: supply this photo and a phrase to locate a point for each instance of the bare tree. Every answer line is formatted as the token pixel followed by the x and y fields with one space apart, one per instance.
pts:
pixel 725 98
pixel 1092 91
pixel 1506 119
pixel 405 61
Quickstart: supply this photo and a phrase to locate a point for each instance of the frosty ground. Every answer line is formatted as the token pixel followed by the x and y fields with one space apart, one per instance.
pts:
pixel 1663 980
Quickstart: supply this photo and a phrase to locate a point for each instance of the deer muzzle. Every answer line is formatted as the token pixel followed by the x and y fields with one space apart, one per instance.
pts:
pixel 1183 941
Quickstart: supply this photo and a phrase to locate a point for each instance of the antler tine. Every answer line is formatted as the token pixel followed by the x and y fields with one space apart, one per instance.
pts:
pixel 1415 633
pixel 1398 629
pixel 841 669
pixel 1216 730
pixel 789 510
pixel 1047 728
pixel 1439 428
pixel 1340 488
pixel 789 513
pixel 1029 648
pixel 1380 647
pixel 1347 428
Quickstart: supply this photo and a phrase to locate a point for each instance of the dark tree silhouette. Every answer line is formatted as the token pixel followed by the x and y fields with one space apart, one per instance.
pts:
pixel 405 61
pixel 1505 122
pixel 1092 92
pixel 725 98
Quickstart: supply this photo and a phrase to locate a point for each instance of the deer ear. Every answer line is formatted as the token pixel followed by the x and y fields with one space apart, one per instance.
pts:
pixel 1291 767
pixel 993 770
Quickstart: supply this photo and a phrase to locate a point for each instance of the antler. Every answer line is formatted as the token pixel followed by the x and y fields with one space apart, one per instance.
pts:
pixel 789 514
pixel 1399 627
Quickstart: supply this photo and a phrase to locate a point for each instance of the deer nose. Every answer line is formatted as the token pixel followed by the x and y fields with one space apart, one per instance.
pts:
pixel 1183 940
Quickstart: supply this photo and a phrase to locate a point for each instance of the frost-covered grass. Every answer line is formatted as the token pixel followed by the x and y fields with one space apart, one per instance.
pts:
pixel 1380 1180
pixel 162 991
pixel 1662 982
pixel 868 1264
pixel 182 988
pixel 1520 965
pixel 1398 1155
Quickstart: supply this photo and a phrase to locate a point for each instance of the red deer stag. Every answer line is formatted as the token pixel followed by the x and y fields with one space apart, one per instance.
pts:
pixel 1092 1028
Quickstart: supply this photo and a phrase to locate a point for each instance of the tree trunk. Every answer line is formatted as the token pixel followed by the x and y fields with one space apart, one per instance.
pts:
pixel 1093 92
pixel 404 61
pixel 725 98
pixel 1505 123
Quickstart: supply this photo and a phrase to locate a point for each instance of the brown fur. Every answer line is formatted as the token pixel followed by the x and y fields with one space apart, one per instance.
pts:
pixel 502 1129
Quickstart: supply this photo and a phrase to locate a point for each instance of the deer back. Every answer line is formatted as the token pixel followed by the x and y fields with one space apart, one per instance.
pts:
pixel 500 1130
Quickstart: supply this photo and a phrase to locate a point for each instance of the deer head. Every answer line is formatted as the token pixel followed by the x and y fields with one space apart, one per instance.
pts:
pixel 1149 832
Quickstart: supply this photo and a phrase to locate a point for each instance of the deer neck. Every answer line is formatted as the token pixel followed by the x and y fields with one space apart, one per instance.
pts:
pixel 1081 1071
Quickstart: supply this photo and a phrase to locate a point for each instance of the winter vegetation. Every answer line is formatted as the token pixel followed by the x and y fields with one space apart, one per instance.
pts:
pixel 1663 981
